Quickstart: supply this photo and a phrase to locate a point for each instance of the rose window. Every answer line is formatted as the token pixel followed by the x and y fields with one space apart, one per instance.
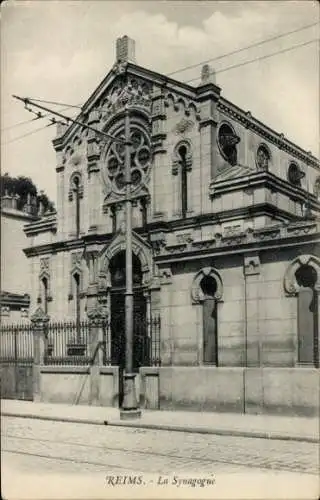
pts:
pixel 140 159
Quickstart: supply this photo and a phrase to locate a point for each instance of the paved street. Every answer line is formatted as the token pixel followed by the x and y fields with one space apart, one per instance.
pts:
pixel 64 448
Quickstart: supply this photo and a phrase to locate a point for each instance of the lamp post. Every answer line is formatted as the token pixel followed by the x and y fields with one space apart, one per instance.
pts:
pixel 129 406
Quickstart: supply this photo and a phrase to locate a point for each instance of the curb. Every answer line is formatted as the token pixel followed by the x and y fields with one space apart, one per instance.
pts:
pixel 172 428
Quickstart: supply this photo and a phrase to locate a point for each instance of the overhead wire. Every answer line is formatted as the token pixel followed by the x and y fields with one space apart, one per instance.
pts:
pixel 260 58
pixel 39 117
pixel 237 51
pixel 266 56
pixel 27 134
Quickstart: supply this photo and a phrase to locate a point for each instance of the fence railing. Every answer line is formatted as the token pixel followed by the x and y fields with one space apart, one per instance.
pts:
pixel 16 343
pixel 68 343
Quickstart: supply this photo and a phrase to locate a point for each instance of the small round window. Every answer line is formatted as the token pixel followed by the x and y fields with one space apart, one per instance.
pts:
pixel 263 158
pixel 295 174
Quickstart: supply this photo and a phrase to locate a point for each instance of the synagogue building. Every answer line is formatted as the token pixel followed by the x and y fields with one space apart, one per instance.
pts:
pixel 226 220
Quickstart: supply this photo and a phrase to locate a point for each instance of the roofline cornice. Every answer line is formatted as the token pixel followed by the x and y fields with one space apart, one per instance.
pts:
pixel 260 179
pixel 267 133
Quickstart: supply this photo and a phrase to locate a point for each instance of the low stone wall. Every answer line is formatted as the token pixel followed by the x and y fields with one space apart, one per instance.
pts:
pixel 16 381
pixel 65 384
pixel 202 388
pixel 284 391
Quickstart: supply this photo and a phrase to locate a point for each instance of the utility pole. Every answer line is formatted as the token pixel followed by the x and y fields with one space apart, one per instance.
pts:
pixel 130 406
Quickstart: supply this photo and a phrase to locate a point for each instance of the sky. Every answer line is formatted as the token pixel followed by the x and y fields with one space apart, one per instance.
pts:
pixel 61 50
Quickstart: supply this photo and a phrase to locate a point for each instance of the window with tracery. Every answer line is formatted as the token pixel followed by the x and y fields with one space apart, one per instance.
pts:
pixel 140 157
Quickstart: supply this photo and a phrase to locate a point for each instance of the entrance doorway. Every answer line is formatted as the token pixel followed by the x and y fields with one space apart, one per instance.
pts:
pixel 141 356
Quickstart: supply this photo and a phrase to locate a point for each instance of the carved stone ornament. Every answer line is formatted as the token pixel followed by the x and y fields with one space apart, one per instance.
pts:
pixel 39 317
pixel 251 265
pixel 140 248
pixel 165 276
pixel 98 315
pixel 290 284
pixel 44 264
pixel 197 295
pixel 76 258
pixel 134 93
pixel 183 126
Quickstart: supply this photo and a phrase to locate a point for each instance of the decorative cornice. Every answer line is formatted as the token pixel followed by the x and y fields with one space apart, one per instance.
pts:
pixel 267 133
pixel 47 223
pixel 262 179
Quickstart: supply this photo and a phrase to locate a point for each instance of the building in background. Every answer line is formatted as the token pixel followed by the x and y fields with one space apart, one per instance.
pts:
pixel 225 242
pixel 15 275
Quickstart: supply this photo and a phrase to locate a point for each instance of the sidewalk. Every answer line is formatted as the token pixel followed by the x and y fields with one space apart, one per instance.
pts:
pixel 232 424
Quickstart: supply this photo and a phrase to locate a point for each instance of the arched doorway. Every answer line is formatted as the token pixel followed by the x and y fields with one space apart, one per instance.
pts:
pixel 117 269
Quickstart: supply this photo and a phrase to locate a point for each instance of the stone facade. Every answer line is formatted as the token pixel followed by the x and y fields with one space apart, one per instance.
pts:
pixel 15 270
pixel 225 215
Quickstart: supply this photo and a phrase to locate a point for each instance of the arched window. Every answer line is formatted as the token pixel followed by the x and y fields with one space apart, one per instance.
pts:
pixel 308 318
pixel 208 286
pixel 227 142
pixel 207 290
pixel 184 186
pixel 44 293
pixel 302 279
pixel 182 164
pixel 75 195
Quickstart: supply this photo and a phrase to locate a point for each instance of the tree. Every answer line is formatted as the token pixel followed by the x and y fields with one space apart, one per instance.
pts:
pixel 24 186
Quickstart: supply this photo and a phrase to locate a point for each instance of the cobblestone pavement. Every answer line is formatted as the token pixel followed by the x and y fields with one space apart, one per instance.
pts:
pixel 81 447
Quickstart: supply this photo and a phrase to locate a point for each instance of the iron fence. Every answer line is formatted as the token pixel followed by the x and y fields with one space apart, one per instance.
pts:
pixel 68 343
pixel 16 343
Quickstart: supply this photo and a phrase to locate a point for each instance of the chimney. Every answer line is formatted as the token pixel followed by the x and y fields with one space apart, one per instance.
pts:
pixel 6 201
pixel 15 199
pixel 125 50
pixel 41 209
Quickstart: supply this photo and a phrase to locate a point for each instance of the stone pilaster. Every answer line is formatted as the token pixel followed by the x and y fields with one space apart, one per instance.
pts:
pixel 208 147
pixel 166 344
pixel 39 322
pixel 98 324
pixel 93 158
pixel 253 340
pixel 91 256
pixel 160 182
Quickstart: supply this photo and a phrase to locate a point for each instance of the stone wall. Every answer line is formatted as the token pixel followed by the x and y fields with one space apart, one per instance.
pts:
pixel 284 391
